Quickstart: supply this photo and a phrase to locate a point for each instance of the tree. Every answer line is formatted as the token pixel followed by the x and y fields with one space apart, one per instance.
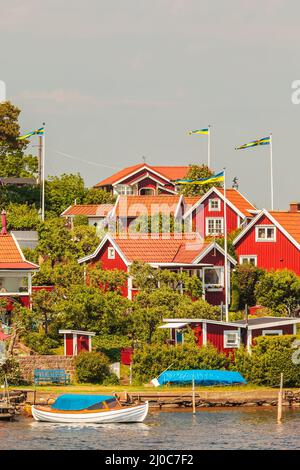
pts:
pixel 84 240
pixel 62 191
pixel 54 240
pixel 98 196
pixel 245 278
pixel 60 275
pixel 196 172
pixel 279 291
pixel 107 279
pixel 22 217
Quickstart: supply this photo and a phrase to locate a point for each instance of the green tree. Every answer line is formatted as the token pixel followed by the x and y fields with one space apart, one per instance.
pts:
pixel 84 240
pixel 54 240
pixel 279 291
pixel 62 191
pixel 246 277
pixel 59 275
pixel 107 279
pixel 22 217
pixel 98 196
pixel 196 172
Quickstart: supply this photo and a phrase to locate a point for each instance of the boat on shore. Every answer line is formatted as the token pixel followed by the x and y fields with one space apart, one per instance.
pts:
pixel 72 408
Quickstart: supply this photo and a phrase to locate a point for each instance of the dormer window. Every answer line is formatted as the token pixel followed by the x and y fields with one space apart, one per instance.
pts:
pixel 111 253
pixel 265 233
pixel 214 205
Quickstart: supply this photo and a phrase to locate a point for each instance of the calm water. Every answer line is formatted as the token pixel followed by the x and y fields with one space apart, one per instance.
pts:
pixel 214 429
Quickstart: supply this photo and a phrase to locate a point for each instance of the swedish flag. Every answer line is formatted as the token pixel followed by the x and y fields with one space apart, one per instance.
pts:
pixel 39 131
pixel 199 131
pixel 218 178
pixel 254 143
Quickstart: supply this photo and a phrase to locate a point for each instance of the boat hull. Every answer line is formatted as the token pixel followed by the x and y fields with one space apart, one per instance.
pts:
pixel 130 414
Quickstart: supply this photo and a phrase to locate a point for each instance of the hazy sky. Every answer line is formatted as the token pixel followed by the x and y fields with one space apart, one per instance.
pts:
pixel 115 80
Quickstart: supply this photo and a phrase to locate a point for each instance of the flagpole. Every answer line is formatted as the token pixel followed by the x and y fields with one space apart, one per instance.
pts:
pixel 225 251
pixel 271 164
pixel 43 174
pixel 208 149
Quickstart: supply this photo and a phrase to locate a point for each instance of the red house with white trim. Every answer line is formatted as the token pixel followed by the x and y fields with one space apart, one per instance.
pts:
pixel 271 241
pixel 206 216
pixel 144 179
pixel 15 271
pixel 226 337
pixel 176 252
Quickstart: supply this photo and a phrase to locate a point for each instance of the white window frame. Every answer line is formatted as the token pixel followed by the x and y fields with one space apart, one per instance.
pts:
pixel 152 189
pixel 214 287
pixel 247 257
pixel 208 219
pixel 214 209
pixel 111 253
pixel 123 189
pixel 257 239
pixel 237 342
pixel 272 332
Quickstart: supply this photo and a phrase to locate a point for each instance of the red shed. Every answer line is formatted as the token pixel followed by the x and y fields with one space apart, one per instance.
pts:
pixel 228 336
pixel 76 341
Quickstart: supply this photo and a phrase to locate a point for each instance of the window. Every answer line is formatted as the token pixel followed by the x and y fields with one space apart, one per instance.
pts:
pixel 272 332
pixel 111 254
pixel 214 226
pixel 248 259
pixel 213 277
pixel 266 233
pixel 214 205
pixel 147 191
pixel 123 189
pixel 231 339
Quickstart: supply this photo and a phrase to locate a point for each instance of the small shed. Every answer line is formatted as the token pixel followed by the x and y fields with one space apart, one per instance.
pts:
pixel 76 341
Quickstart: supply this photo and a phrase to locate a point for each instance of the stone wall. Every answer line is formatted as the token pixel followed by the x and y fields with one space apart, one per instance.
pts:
pixel 29 363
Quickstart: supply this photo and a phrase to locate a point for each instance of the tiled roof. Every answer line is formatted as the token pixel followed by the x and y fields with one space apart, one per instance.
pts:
pixel 170 172
pixel 154 248
pixel 92 210
pixel 10 256
pixel 134 206
pixel 290 221
pixel 238 200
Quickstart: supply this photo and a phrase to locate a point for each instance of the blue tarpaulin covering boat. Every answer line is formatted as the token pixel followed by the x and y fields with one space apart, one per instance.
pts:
pixel 74 402
pixel 201 377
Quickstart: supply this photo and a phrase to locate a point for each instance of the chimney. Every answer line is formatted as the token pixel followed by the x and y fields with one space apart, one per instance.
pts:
pixel 3 219
pixel 294 206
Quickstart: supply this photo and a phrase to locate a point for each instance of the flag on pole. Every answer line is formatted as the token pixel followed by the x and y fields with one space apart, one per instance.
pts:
pixel 219 177
pixel 199 131
pixel 39 131
pixel 254 143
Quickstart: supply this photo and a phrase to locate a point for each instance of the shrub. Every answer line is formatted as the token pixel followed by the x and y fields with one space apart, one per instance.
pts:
pixel 112 379
pixel 270 356
pixel 246 278
pixel 111 345
pixel 152 360
pixel 91 367
pixel 11 370
pixel 39 342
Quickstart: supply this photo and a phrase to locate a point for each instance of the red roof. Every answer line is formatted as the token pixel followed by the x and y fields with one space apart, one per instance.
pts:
pixel 3 336
pixel 239 201
pixel 155 248
pixel 290 221
pixel 11 256
pixel 172 173
pixel 91 210
pixel 134 206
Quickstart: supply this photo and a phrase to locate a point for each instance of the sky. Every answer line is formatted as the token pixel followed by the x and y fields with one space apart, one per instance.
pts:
pixel 116 81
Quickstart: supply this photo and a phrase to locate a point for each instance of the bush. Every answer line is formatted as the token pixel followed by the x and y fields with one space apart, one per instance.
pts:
pixel 152 360
pixel 111 345
pixel 39 342
pixel 11 370
pixel 112 379
pixel 270 356
pixel 91 367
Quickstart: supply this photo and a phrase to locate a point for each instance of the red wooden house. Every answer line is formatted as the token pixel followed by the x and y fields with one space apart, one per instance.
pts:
pixel 176 252
pixel 206 216
pixel 228 336
pixel 271 241
pixel 77 341
pixel 144 179
pixel 15 270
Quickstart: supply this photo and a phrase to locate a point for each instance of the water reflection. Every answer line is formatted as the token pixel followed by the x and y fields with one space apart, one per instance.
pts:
pixel 208 429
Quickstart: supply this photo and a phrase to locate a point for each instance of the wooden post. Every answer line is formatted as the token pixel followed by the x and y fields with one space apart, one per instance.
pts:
pixel 279 409
pixel 194 402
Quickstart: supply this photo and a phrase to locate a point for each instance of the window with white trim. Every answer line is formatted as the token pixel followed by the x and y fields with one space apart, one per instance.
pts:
pixel 214 204
pixel 231 339
pixel 265 233
pixel 123 189
pixel 248 259
pixel 214 225
pixel 272 332
pixel 214 277
pixel 111 253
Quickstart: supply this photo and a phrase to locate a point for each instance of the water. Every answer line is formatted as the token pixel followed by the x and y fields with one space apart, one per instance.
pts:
pixel 209 429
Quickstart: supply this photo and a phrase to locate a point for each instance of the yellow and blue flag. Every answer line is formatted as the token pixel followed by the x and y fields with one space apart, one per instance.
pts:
pixel 39 131
pixel 199 131
pixel 218 178
pixel 254 143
